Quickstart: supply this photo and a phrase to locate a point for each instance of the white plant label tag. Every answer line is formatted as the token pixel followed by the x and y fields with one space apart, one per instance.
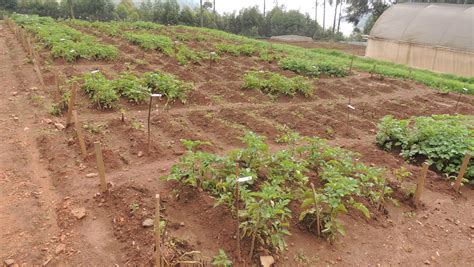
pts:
pixel 156 95
pixel 351 107
pixel 244 179
pixel 464 89
pixel 95 71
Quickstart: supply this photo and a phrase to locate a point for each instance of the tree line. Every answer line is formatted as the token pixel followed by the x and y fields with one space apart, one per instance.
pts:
pixel 248 21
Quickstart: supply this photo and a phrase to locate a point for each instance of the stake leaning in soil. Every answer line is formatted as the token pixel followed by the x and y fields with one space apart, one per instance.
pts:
pixel 465 162
pixel 100 166
pixel 237 196
pixel 149 121
pixel 157 233
pixel 71 104
pixel 421 183
pixel 80 135
pixel 316 207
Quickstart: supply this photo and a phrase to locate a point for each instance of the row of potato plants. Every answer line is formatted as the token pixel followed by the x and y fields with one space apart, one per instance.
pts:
pixel 64 41
pixel 150 36
pixel 441 139
pixel 105 93
pixel 283 177
pixel 274 83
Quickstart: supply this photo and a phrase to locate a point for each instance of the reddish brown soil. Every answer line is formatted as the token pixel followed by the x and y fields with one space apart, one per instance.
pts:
pixel 43 177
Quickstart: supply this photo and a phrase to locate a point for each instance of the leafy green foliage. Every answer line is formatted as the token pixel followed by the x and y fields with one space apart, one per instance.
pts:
pixel 186 55
pixel 442 139
pixel 221 260
pixel 131 87
pixel 167 85
pixel 100 90
pixel 151 41
pixel 106 92
pixel 274 83
pixel 279 178
pixel 64 41
pixel 236 50
pixel 312 68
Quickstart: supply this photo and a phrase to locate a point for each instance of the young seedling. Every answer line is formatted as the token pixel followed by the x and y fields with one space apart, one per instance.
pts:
pixel 149 119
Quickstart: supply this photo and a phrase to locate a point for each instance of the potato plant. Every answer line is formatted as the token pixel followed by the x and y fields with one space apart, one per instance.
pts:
pixel 312 68
pixel 236 50
pixel 64 41
pixel 146 40
pixel 282 177
pixel 441 139
pixel 100 90
pixel 274 83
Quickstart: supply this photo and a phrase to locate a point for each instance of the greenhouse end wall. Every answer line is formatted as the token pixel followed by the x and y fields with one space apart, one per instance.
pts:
pixel 438 59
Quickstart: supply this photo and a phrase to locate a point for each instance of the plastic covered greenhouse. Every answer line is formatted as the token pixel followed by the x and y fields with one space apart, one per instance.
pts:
pixel 438 37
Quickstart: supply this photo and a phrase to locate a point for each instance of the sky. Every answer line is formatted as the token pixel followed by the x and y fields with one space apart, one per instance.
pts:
pixel 304 6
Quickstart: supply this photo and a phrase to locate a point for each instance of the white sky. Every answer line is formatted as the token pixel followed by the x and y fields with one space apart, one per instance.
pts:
pixel 304 6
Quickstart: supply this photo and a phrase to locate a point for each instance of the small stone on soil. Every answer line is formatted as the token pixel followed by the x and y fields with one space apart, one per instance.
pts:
pixel 14 93
pixel 472 226
pixel 60 249
pixel 59 126
pixel 427 262
pixel 91 175
pixel 147 223
pixel 9 262
pixel 140 154
pixel 79 213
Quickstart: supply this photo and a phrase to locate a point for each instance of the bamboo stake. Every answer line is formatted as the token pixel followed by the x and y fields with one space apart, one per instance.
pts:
pixel 421 183
pixel 80 135
pixel 71 104
pixel 100 166
pixel 465 162
pixel 157 233
pixel 237 197
pixel 316 206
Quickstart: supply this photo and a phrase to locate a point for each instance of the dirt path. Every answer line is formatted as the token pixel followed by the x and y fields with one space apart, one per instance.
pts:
pixel 30 232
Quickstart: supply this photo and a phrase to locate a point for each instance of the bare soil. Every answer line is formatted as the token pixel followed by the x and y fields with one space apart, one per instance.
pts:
pixel 43 178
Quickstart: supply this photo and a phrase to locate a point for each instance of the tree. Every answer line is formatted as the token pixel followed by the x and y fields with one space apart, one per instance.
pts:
pixel 126 10
pixel 336 3
pixel 187 16
pixel 9 5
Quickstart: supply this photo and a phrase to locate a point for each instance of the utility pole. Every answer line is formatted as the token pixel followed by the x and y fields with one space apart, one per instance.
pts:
pixel 316 11
pixel 264 7
pixel 324 15
pixel 202 19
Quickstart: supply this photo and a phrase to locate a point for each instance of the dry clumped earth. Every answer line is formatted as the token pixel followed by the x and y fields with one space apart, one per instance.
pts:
pixel 52 214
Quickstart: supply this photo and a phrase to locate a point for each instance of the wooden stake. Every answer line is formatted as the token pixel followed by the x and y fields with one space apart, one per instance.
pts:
pixel 457 102
pixel 316 206
pixel 71 104
pixel 149 125
pixel 80 135
pixel 352 62
pixel 157 233
pixel 237 197
pixel 421 183
pixel 252 245
pixel 373 71
pixel 465 162
pixel 100 166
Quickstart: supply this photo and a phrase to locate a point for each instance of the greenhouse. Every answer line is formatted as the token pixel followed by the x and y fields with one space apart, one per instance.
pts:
pixel 437 37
